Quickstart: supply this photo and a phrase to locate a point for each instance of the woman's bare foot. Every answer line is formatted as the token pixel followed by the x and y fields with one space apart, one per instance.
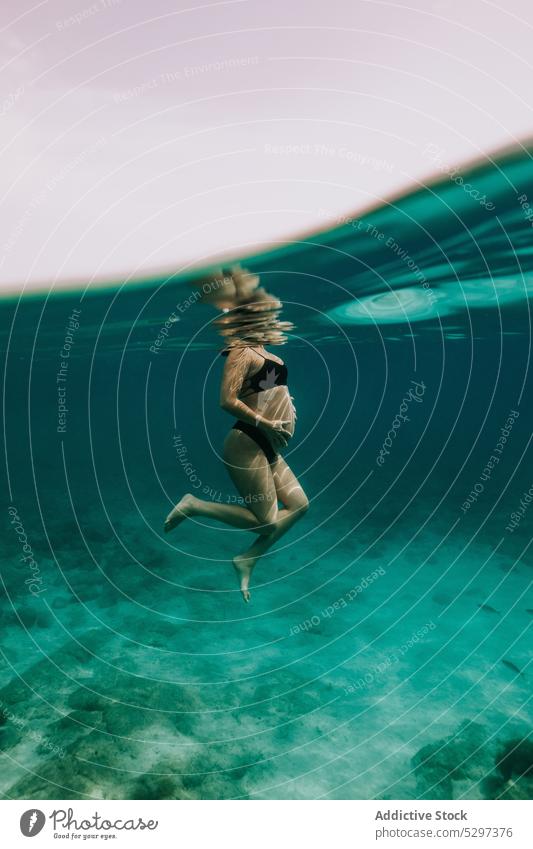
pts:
pixel 181 511
pixel 244 567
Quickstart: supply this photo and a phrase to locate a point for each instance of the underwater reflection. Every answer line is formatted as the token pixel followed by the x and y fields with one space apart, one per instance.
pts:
pixel 250 314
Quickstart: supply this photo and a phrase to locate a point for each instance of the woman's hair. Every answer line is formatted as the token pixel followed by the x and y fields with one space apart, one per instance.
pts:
pixel 254 320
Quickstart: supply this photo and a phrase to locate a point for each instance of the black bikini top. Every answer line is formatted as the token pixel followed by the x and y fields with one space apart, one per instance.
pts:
pixel 270 374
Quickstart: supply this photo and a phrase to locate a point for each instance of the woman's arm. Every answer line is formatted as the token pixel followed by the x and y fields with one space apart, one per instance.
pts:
pixel 235 371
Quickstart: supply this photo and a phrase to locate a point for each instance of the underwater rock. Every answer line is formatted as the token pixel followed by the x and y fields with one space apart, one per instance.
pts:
pixel 458 757
pixel 512 777
pixel 32 687
pixel 78 718
pixel 69 730
pixel 516 759
pixel 10 735
pixel 123 720
pixel 184 722
pixel 78 774
pixel 210 775
pixel 203 776
pixel 150 786
pixel 86 701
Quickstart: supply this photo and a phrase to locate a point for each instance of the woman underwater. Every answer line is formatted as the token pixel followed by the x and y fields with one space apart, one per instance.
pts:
pixel 254 390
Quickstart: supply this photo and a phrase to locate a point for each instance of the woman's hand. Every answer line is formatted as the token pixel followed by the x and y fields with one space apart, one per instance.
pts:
pixel 277 431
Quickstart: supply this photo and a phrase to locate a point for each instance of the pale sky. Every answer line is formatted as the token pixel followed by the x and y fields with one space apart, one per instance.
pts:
pixel 140 137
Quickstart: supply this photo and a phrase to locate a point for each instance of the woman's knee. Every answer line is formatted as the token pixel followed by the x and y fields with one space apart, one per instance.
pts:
pixel 267 520
pixel 302 505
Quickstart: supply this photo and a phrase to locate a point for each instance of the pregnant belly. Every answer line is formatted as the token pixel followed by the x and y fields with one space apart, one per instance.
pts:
pixel 276 403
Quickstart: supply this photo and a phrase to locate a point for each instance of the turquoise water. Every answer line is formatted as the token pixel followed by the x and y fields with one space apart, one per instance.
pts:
pixel 385 653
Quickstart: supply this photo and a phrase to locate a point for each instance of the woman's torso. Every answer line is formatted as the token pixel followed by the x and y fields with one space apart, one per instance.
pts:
pixel 268 395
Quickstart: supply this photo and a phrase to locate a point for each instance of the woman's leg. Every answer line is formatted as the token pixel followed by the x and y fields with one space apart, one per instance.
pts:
pixel 260 485
pixel 230 514
pixel 289 491
pixel 251 474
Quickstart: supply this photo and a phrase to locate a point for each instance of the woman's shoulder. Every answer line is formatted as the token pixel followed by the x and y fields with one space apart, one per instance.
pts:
pixel 237 353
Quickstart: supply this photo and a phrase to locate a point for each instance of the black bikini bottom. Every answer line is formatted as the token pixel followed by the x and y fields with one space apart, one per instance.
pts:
pixel 259 438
